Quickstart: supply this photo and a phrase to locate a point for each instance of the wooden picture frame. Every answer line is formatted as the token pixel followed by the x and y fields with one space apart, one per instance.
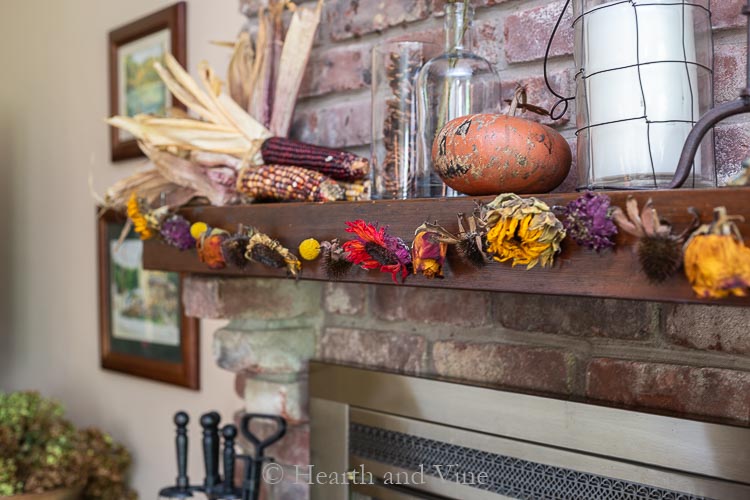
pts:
pixel 133 86
pixel 143 330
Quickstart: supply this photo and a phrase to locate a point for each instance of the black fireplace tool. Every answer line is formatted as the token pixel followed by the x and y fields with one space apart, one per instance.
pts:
pixel 213 486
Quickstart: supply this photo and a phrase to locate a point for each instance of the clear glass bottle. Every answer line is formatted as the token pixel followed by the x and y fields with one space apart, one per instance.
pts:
pixel 456 83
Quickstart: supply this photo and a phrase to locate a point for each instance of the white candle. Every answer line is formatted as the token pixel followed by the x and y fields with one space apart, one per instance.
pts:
pixel 620 36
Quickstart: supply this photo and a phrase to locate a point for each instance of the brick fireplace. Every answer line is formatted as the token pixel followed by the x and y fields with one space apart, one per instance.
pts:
pixel 688 361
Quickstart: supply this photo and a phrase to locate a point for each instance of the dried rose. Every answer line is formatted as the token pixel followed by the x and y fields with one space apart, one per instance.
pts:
pixel 717 262
pixel 428 254
pixel 209 249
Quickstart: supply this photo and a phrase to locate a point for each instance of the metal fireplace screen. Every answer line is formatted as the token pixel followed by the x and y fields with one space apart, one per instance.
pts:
pixel 508 476
pixel 400 437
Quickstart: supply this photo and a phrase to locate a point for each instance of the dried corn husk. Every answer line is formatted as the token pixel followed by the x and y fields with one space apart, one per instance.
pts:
pixel 260 98
pixel 294 57
pixel 150 185
pixel 185 134
pixel 207 159
pixel 240 71
pixel 188 174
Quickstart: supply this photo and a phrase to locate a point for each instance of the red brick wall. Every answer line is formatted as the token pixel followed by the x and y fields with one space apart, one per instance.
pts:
pixel 691 361
pixel 335 104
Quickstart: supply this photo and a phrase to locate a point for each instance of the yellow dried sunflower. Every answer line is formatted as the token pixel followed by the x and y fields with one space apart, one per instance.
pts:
pixel 717 262
pixel 522 230
pixel 141 222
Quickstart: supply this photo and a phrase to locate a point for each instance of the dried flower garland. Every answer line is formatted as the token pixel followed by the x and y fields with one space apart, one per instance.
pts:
pixel 588 220
pixel 523 231
pixel 374 248
pixel 717 262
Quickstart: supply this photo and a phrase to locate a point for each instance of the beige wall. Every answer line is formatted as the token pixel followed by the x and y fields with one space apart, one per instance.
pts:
pixel 53 98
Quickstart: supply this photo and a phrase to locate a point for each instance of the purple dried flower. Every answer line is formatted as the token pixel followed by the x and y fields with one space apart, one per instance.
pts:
pixel 176 232
pixel 588 221
pixel 398 248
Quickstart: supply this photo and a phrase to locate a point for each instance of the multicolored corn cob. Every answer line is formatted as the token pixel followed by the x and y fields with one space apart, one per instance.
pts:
pixel 277 182
pixel 336 164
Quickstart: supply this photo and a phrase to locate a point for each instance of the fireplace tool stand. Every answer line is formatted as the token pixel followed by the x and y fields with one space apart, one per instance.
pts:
pixel 214 487
pixel 712 117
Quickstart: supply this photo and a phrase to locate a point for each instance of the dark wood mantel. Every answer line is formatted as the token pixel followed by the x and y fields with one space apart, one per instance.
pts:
pixel 577 272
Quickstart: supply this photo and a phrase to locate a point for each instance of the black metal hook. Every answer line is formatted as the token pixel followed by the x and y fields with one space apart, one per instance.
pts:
pixel 562 100
pixel 712 117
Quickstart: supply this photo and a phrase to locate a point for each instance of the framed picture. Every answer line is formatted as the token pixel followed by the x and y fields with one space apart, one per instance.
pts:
pixel 134 85
pixel 143 329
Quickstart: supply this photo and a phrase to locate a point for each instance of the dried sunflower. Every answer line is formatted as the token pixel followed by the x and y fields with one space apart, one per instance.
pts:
pixel 263 249
pixel 659 251
pixel 137 210
pixel 335 263
pixel 374 248
pixel 717 262
pixel 522 230
pixel 429 249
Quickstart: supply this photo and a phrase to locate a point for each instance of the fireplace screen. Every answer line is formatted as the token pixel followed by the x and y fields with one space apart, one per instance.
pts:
pixel 383 436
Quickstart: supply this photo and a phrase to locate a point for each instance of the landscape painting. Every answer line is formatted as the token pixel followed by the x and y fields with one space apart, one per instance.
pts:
pixel 145 304
pixel 143 328
pixel 141 89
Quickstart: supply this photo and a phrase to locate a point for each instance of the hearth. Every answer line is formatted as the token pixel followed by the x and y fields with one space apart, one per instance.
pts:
pixel 384 435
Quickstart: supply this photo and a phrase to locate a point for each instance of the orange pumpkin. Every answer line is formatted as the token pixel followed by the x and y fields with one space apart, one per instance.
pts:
pixel 488 154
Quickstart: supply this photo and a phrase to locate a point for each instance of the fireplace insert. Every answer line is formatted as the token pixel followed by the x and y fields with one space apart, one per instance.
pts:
pixel 378 435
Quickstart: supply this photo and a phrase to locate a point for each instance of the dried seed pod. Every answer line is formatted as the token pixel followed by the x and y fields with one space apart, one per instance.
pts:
pixel 659 251
pixel 234 248
pixel 335 263
pixel 265 250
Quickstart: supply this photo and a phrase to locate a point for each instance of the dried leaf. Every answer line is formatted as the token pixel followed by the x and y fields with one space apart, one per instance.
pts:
pixel 294 57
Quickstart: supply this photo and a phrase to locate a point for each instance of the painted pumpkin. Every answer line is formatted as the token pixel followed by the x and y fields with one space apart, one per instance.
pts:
pixel 489 154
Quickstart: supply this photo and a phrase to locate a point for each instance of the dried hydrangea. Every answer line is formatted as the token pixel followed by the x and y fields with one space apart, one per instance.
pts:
pixel 176 232
pixel 588 220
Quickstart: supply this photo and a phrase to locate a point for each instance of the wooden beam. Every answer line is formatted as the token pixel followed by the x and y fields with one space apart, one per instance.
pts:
pixel 577 272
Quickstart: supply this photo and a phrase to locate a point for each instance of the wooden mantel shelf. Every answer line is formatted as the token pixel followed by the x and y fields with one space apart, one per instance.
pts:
pixel 577 272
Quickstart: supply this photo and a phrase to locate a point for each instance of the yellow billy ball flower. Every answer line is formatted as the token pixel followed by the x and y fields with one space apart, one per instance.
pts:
pixel 309 249
pixel 197 230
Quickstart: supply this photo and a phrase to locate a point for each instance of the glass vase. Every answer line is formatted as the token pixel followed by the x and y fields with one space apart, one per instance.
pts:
pixel 394 117
pixel 454 84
